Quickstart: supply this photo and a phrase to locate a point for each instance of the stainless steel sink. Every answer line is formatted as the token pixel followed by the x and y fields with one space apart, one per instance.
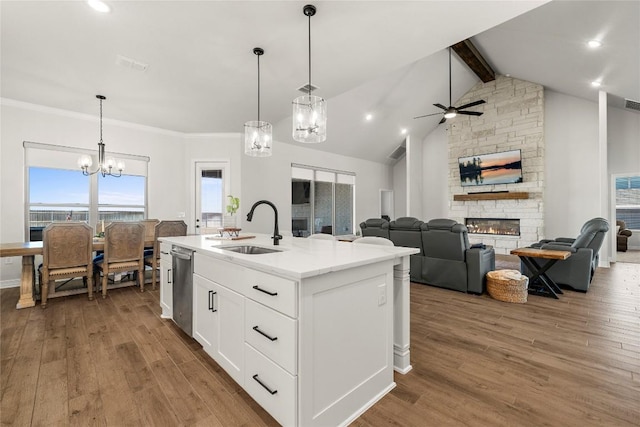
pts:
pixel 249 249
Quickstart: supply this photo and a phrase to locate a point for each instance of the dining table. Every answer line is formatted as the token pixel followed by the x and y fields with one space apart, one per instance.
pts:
pixel 28 252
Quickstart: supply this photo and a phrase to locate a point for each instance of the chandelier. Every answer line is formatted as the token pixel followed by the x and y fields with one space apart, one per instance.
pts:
pixel 105 166
pixel 309 111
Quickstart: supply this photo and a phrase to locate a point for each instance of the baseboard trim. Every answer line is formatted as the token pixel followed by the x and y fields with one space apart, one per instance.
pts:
pixel 11 283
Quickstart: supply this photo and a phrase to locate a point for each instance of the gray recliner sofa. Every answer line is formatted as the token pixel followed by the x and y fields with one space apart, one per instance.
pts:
pixel 405 231
pixel 377 227
pixel 577 270
pixel 446 258
pixel 449 260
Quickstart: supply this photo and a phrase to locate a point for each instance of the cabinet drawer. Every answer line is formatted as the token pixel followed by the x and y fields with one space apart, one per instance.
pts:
pixel 272 291
pixel 274 334
pixel 271 386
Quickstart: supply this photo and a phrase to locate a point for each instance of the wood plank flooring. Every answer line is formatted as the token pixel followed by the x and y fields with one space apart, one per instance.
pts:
pixel 476 362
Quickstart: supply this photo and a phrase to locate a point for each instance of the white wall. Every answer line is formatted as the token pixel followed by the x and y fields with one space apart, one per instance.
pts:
pixel 211 148
pixel 270 179
pixel 571 131
pixel 26 122
pixel 435 172
pixel 624 141
pixel 399 173
pixel 414 177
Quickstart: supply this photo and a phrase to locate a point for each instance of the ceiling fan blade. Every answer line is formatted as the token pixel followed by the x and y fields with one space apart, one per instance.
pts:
pixel 471 104
pixel 427 115
pixel 441 106
pixel 444 119
pixel 470 113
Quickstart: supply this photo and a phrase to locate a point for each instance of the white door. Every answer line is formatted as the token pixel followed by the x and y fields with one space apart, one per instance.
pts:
pixel 211 190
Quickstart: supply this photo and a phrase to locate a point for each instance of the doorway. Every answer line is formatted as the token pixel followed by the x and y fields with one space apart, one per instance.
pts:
pixel 211 189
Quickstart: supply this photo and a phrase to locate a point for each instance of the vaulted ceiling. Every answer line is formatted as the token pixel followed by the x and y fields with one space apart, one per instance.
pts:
pixel 386 58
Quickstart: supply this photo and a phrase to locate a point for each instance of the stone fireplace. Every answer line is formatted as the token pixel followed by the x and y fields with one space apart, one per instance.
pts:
pixel 493 226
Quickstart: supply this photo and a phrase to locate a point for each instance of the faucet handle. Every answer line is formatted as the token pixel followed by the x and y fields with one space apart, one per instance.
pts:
pixel 276 239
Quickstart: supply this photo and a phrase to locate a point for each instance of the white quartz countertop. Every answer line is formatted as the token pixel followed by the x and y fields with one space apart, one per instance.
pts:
pixel 299 258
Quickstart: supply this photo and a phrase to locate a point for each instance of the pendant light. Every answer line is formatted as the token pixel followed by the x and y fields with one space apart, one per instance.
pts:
pixel 309 111
pixel 105 165
pixel 257 134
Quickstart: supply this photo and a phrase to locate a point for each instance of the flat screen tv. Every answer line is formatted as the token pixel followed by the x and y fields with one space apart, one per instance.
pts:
pixel 489 169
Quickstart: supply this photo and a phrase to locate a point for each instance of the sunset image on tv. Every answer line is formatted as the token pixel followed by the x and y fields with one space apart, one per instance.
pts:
pixel 487 169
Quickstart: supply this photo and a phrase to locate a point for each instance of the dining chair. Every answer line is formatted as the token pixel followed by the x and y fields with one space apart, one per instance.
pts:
pixel 321 236
pixel 162 229
pixel 123 251
pixel 67 254
pixel 149 228
pixel 374 240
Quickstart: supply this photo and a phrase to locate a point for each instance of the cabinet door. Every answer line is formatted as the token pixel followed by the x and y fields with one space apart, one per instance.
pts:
pixel 205 319
pixel 166 287
pixel 229 352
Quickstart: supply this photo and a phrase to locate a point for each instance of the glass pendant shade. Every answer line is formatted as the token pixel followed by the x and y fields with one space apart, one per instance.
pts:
pixel 257 138
pixel 309 119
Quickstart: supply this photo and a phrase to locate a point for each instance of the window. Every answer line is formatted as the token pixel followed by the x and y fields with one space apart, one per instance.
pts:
pixel 628 201
pixel 58 191
pixel 322 201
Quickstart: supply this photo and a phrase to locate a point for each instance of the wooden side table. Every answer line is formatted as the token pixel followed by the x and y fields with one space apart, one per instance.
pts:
pixel 528 257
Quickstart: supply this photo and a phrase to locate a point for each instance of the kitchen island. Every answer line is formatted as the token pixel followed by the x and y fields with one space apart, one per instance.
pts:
pixel 313 332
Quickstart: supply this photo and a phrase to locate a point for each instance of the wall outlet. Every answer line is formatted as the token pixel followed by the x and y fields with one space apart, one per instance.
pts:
pixel 181 214
pixel 382 294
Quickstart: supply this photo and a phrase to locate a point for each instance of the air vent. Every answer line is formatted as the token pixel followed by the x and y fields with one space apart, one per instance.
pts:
pixel 126 62
pixel 631 105
pixel 305 88
pixel 399 151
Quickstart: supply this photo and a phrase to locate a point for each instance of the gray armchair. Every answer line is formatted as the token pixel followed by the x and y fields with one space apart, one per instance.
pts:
pixel 377 227
pixel 450 261
pixel 623 236
pixel 577 270
pixel 405 231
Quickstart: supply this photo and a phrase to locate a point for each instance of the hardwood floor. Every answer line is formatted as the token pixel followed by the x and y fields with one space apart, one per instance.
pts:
pixel 476 361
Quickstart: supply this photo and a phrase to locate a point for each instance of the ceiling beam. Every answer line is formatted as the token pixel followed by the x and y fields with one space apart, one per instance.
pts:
pixel 474 60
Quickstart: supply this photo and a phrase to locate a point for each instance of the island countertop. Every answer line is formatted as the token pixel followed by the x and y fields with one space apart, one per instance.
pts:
pixel 299 258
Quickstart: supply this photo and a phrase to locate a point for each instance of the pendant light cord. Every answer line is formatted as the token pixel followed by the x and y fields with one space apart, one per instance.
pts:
pixel 309 55
pixel 100 121
pixel 450 76
pixel 258 89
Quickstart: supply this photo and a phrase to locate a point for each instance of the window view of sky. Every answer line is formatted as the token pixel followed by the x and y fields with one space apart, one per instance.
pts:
pixel 60 186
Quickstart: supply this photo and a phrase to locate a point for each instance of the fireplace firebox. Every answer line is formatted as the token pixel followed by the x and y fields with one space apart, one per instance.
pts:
pixel 493 226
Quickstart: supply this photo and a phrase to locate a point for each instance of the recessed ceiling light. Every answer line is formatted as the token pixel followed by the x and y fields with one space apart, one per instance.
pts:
pixel 403 131
pixel 368 117
pixel 99 6
pixel 596 83
pixel 594 43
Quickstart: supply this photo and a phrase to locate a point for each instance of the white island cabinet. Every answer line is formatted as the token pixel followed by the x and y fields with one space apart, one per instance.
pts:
pixel 166 276
pixel 312 332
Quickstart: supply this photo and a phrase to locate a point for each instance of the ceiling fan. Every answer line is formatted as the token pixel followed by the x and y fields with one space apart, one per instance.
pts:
pixel 452 111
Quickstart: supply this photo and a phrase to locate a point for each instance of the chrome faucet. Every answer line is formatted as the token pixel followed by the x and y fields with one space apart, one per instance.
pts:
pixel 276 234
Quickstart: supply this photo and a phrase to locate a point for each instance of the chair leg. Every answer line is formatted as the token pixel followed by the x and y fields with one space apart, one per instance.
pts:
pixel 89 279
pixel 44 292
pixel 141 278
pixel 105 275
pixel 153 277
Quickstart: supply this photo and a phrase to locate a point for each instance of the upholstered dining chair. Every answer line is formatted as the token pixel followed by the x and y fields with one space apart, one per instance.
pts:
pixel 149 228
pixel 162 229
pixel 67 254
pixel 321 236
pixel 374 240
pixel 123 251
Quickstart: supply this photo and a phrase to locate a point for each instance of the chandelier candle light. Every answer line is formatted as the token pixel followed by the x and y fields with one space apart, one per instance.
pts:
pixel 105 166
pixel 309 111
pixel 258 134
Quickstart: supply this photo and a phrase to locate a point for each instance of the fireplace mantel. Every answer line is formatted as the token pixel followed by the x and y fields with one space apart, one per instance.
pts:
pixel 491 196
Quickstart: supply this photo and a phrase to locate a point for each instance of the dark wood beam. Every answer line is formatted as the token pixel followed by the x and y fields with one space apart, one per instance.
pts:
pixel 474 60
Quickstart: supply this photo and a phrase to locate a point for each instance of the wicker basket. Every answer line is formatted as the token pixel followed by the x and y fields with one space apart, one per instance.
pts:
pixel 507 285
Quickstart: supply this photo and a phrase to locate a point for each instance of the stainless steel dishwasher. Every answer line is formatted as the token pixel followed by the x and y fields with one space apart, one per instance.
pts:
pixel 182 287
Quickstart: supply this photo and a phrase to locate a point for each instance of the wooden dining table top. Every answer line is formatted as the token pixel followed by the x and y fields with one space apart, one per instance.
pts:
pixel 35 248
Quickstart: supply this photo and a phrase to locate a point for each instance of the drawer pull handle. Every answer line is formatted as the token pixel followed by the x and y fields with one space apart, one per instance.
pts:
pixel 169 275
pixel 257 288
pixel 211 294
pixel 255 377
pixel 255 328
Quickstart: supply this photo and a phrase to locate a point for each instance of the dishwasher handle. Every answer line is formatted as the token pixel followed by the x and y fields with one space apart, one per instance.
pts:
pixel 180 255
